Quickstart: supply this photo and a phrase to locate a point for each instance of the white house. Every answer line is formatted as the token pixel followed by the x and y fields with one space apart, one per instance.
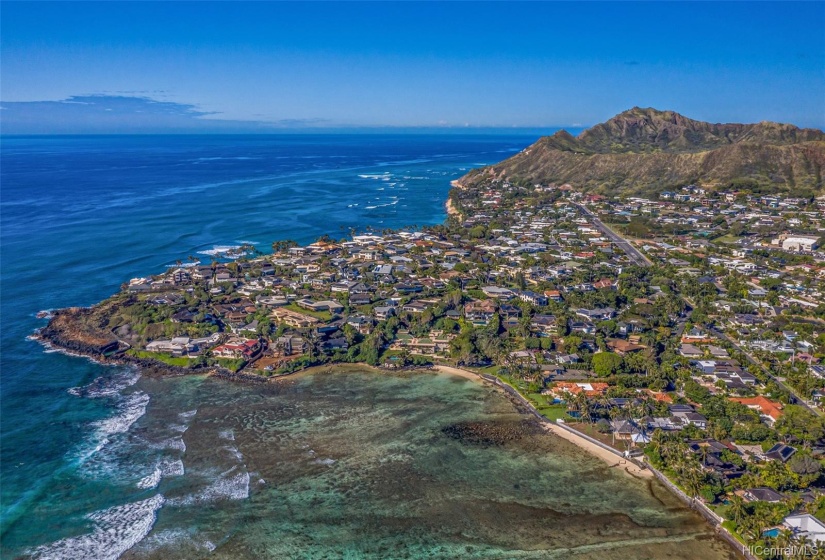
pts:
pixel 806 525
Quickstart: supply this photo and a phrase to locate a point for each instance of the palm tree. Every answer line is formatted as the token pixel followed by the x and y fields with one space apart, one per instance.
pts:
pixel 615 413
pixel 537 377
pixel 737 509
pixel 582 405
pixel 693 482
pixel 784 539
pixel 804 546
pixel 658 442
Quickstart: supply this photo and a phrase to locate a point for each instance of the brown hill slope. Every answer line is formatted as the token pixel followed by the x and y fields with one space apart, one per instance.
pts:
pixel 645 150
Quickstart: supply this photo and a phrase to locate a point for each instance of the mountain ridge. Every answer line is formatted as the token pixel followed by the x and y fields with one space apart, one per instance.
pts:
pixel 645 149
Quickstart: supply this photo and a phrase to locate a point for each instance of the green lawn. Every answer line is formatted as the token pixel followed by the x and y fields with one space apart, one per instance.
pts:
pixel 230 364
pixel 731 527
pixel 323 315
pixel 727 239
pixel 554 412
pixel 165 358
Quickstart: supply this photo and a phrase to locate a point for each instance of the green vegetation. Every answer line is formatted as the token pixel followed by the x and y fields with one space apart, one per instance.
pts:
pixel 645 150
pixel 165 358
pixel 230 364
pixel 322 315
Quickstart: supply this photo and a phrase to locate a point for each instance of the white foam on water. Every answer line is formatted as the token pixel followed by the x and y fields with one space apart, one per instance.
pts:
pixel 130 411
pixel 85 454
pixel 162 470
pixel 188 415
pixel 172 468
pixel 234 452
pixel 52 349
pixel 115 531
pixel 232 484
pixel 179 427
pixel 393 203
pixel 172 443
pixel 218 250
pixel 107 386
pixel 227 435
pixel 152 480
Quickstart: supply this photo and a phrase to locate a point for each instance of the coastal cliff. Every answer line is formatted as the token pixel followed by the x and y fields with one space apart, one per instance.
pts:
pixel 74 330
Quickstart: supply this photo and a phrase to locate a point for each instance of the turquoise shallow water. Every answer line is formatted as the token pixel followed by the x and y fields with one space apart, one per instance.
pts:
pixel 101 463
pixel 80 215
pixel 356 465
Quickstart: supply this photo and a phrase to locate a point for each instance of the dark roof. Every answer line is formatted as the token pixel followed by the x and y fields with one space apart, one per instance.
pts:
pixel 765 495
pixel 780 452
pixel 681 408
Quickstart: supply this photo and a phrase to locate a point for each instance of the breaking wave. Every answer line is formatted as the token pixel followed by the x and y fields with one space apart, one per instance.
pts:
pixel 232 484
pixel 107 386
pixel 115 531
pixel 163 469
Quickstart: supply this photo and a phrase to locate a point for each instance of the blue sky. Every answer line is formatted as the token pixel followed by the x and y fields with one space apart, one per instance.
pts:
pixel 260 66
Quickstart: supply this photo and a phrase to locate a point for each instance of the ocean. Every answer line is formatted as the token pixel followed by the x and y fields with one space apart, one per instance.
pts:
pixel 102 463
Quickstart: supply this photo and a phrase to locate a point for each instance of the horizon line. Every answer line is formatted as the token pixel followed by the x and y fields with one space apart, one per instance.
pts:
pixel 320 130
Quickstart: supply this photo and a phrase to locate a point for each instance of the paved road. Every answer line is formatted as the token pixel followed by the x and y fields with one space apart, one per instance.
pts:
pixel 641 260
pixel 795 399
pixel 631 251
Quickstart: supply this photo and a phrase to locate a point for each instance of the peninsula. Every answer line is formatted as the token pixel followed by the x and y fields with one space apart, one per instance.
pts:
pixel 652 287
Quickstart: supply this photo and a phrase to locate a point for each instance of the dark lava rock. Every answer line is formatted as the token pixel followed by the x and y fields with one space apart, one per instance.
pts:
pixel 491 433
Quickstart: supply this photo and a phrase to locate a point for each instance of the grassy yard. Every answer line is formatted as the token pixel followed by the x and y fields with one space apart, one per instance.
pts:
pixel 322 315
pixel 230 364
pixel 731 527
pixel 165 358
pixel 554 412
pixel 607 439
pixel 546 407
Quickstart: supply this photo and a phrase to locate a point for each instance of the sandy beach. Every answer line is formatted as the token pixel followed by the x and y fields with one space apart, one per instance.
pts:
pixel 606 456
pixel 451 210
pixel 459 372
pixel 628 466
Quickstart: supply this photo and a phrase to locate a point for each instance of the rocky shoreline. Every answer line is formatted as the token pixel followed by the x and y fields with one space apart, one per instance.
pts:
pixel 65 332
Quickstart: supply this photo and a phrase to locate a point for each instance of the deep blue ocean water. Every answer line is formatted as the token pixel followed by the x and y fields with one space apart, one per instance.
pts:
pixel 101 463
pixel 80 215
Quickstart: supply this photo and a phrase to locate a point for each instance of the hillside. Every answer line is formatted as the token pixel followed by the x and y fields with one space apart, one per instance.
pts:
pixel 646 150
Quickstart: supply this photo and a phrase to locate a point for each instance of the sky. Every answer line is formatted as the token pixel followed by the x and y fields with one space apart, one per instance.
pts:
pixel 260 67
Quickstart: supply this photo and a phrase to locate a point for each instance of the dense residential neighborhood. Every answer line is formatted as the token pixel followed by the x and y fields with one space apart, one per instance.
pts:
pixel 686 330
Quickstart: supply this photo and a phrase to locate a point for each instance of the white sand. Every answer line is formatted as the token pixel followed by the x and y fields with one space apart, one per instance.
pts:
pixel 611 459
